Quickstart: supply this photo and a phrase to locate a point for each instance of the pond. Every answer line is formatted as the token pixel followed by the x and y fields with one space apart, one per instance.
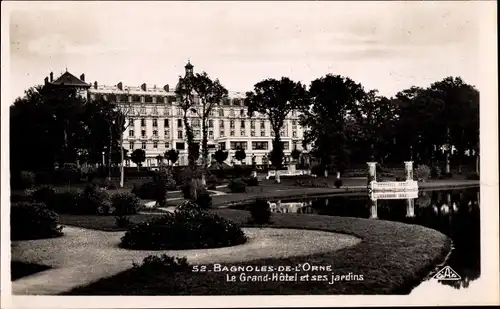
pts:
pixel 454 213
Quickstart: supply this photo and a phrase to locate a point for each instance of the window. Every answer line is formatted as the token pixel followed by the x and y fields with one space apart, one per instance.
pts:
pixel 131 121
pixel 242 125
pixel 294 143
pixel 179 146
pixel 196 123
pixel 155 122
pixel 252 133
pixel 252 124
pixel 262 133
pixel 231 124
pixel 211 134
pixel 155 110
pixel 148 99
pixel 294 133
pixel 179 123
pixel 238 145
pixel 131 133
pixel 222 133
pixel 231 133
pixel 167 133
pixel 259 145
pixel 197 133
pixel 242 133
pixel 143 110
pixel 179 134
pixel 131 145
pixel 221 112
pixel 143 133
pixel 221 124
pixel 294 122
pixel 155 133
pixel 242 112
pixel 285 145
pixel 165 123
pixel 179 111
pixel 136 98
pixel 167 145
pixel 211 113
pixel 172 99
pixel 262 125
pixel 155 145
pixel 143 122
pixel 225 101
pixel 231 112
pixel 210 123
pixel 222 146
pixel 143 145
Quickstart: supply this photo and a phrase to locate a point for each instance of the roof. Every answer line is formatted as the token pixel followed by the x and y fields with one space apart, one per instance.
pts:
pixel 68 79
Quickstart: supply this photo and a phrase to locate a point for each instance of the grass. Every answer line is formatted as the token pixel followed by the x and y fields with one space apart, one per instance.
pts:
pixel 101 223
pixel 20 269
pixel 392 258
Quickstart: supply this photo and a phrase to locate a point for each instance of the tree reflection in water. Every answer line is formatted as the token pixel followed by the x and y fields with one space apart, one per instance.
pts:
pixel 454 213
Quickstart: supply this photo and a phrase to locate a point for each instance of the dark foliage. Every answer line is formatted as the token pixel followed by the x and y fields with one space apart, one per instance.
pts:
pixel 251 181
pixel 33 221
pixel 125 204
pixel 145 191
pixel 338 183
pixel 184 230
pixel 260 212
pixel 237 186
pixel 122 222
pixel 45 195
pixel 165 264
pixel 94 201
pixel 204 200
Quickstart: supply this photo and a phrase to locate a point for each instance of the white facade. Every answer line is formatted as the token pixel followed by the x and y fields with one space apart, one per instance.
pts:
pixel 155 124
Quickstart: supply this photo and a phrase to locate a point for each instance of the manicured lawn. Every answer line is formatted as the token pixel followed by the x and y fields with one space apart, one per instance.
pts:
pixel 20 269
pixel 392 258
pixel 102 223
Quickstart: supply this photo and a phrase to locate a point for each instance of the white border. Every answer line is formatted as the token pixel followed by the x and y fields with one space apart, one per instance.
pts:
pixel 489 280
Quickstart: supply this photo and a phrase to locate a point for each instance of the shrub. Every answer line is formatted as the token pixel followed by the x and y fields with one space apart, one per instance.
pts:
pixel 45 195
pixel 125 204
pixel 146 191
pixel 212 182
pixel 187 207
pixel 422 172
pixel 260 212
pixel 338 183
pixel 204 200
pixel 251 181
pixel 164 264
pixel 317 170
pixel 183 230
pixel 26 180
pixel 66 202
pixel 33 221
pixel 122 222
pixel 436 172
pixel 473 176
pixel 110 185
pixel 237 186
pixel 94 201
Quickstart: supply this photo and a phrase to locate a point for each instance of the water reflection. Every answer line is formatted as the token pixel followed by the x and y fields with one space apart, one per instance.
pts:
pixel 454 213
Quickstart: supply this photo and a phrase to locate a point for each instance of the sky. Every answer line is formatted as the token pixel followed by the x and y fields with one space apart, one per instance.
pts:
pixel 389 46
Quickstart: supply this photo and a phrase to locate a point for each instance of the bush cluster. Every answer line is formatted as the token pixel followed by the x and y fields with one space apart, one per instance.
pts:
pixel 166 264
pixel 338 183
pixel 435 172
pixel 251 181
pixel 184 230
pixel 260 212
pixel 237 185
pixel 145 191
pixel 125 204
pixel 33 221
pixel 23 180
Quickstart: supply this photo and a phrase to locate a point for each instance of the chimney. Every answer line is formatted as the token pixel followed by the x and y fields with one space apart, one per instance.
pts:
pixel 143 87
pixel 51 77
pixel 95 85
pixel 166 88
pixel 120 85
pixel 82 77
pixel 46 80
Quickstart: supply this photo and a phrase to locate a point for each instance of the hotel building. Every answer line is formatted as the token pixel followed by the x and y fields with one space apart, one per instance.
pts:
pixel 154 122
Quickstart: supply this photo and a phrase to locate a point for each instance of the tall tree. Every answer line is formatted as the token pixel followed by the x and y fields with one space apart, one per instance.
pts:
pixel 172 156
pixel 138 156
pixel 186 98
pixel 276 99
pixel 221 156
pixel 240 155
pixel 333 98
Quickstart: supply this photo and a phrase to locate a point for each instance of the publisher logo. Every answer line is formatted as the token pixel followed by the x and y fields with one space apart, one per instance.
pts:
pixel 447 274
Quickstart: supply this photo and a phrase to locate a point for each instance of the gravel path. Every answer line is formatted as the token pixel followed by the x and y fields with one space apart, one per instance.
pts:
pixel 83 256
